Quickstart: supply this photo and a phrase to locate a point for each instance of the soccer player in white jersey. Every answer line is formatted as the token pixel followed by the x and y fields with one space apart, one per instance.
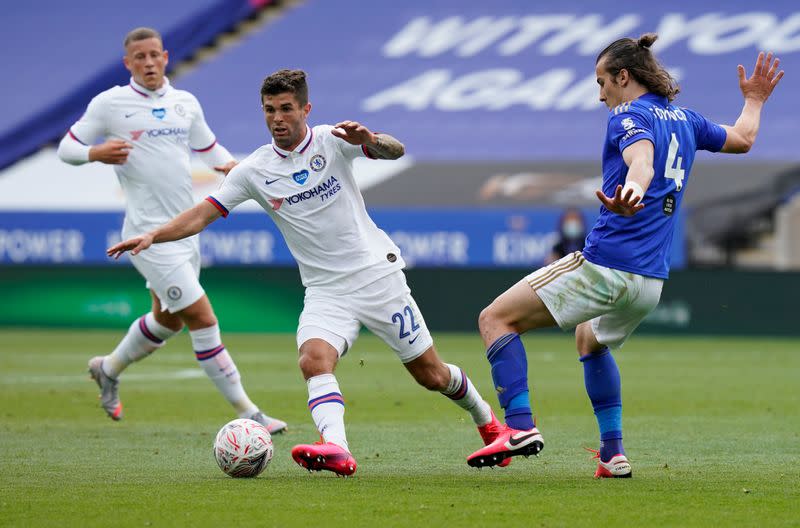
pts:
pixel 352 271
pixel 607 289
pixel 149 128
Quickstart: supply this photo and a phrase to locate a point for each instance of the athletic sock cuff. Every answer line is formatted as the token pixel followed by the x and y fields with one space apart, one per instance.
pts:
pixel 205 339
pixel 321 387
pixel 153 330
pixel 457 388
pixel 595 355
pixel 499 343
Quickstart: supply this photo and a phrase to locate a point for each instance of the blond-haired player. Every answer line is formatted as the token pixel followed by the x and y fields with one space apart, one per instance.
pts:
pixel 149 129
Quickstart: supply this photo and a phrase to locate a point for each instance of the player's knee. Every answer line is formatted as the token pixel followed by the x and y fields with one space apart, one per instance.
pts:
pixel 486 317
pixel 581 344
pixel 585 341
pixel 313 364
pixel 306 363
pixel 491 321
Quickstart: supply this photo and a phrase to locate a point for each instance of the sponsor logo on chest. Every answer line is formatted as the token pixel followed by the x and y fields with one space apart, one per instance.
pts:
pixel 321 192
pixel 172 119
pixel 178 133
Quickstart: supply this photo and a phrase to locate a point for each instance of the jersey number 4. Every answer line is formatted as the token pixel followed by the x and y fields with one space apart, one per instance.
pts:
pixel 673 170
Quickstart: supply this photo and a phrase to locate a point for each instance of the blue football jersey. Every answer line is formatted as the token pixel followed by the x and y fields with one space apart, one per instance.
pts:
pixel 642 243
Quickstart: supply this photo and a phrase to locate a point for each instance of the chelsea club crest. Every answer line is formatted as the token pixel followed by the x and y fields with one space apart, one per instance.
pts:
pixel 317 162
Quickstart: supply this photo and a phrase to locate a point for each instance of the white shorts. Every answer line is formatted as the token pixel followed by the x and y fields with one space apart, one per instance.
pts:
pixel 575 291
pixel 174 277
pixel 385 306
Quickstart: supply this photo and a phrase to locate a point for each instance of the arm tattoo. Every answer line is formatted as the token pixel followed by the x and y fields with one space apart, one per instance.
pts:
pixel 386 147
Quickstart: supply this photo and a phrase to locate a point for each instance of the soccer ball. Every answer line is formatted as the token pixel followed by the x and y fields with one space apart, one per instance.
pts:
pixel 243 448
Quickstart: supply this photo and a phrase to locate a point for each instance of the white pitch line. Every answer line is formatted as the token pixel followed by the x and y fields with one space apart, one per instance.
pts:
pixel 45 379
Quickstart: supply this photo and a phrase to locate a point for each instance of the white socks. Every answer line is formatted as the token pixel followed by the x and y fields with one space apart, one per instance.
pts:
pixel 144 336
pixel 219 366
pixel 327 405
pixel 465 395
pixel 327 408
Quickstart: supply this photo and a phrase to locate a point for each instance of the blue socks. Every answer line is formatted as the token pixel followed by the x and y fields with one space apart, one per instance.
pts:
pixel 601 377
pixel 510 375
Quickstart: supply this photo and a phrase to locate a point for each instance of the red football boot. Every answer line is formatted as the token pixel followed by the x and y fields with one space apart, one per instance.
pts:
pixel 489 434
pixel 510 442
pixel 325 456
pixel 617 467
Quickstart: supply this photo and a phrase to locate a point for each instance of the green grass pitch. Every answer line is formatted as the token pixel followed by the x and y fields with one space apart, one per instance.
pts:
pixel 711 428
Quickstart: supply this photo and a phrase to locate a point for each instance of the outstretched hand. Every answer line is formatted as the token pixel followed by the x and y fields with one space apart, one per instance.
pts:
pixel 353 132
pixel 134 245
pixel 627 205
pixel 764 79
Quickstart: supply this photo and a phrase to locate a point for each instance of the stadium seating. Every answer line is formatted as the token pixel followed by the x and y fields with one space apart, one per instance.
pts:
pixel 74 52
pixel 495 102
pixel 492 81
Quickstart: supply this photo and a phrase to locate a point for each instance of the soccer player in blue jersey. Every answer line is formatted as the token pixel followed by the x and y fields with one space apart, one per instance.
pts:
pixel 606 290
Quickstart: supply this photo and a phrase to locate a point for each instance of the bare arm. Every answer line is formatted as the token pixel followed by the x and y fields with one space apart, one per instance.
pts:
pixel 186 224
pixel 380 146
pixel 756 90
pixel 627 200
pixel 385 147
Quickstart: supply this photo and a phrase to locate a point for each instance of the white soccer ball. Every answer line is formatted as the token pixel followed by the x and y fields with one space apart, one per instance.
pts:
pixel 243 448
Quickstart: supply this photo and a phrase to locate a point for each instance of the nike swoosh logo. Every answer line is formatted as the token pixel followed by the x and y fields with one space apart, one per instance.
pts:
pixel 516 441
pixel 132 113
pixel 271 181
pixel 411 341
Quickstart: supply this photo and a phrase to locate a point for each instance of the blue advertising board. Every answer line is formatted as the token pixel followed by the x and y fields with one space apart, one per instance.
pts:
pixel 427 237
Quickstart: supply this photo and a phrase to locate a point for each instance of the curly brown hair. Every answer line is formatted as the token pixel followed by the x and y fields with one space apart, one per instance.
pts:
pixel 636 57
pixel 283 81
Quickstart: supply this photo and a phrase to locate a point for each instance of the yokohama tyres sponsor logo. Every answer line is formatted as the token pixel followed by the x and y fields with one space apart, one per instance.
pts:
pixel 160 132
pixel 323 191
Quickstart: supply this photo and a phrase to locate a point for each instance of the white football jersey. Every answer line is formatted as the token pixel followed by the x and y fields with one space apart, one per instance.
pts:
pixel 162 126
pixel 313 198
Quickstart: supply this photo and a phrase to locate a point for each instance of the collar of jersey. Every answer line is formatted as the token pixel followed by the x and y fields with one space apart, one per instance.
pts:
pixel 660 99
pixel 141 90
pixel 299 148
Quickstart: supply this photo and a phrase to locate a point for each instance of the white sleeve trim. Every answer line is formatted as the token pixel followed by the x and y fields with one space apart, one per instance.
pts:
pixel 215 156
pixel 72 151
